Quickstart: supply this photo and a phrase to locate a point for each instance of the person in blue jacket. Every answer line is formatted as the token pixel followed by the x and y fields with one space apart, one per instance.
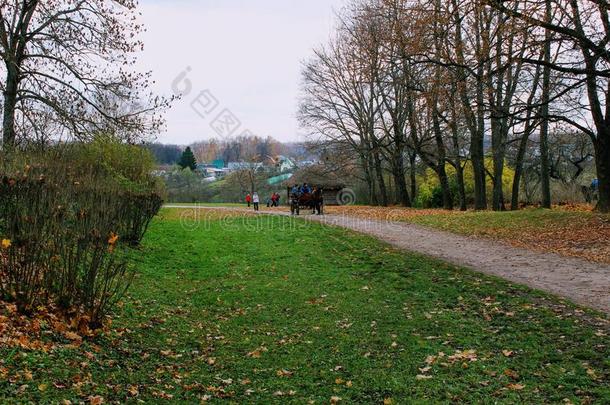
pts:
pixel 305 189
pixel 595 184
pixel 296 190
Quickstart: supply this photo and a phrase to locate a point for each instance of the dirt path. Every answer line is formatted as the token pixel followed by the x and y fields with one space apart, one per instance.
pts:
pixel 583 282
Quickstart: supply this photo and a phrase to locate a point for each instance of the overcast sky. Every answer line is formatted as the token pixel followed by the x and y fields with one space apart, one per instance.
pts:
pixel 244 55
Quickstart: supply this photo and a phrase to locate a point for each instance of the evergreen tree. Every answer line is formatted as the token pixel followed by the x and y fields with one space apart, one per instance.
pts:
pixel 188 159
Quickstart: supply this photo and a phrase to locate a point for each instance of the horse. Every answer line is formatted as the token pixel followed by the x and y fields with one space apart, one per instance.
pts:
pixel 295 207
pixel 313 201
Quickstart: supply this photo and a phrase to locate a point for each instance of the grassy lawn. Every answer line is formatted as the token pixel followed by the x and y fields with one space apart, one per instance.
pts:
pixel 268 310
pixel 572 231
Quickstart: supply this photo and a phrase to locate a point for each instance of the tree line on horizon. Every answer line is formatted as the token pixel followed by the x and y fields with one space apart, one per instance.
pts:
pixel 238 149
pixel 464 88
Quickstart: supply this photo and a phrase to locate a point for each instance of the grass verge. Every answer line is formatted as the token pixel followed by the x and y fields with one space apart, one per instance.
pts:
pixel 272 310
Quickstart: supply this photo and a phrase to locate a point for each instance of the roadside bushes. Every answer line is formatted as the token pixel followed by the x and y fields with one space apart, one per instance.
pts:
pixel 429 193
pixel 66 216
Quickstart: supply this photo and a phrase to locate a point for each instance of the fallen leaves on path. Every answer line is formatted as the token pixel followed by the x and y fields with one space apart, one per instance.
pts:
pixel 575 231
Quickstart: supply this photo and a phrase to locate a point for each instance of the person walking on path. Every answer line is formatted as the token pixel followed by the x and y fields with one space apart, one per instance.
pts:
pixel 248 199
pixel 255 200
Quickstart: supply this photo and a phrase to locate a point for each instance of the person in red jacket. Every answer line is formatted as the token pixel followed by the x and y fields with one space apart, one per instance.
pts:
pixel 248 199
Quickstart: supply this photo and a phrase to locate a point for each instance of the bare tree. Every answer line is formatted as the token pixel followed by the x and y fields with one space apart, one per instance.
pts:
pixel 584 28
pixel 71 62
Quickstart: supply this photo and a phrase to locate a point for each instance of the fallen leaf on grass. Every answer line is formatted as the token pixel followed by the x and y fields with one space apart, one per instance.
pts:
pixel 96 400
pixel 423 377
pixel 256 354
pixel 470 355
pixel 284 373
pixel 591 373
pixel 515 387
pixel 508 353
pixel 75 337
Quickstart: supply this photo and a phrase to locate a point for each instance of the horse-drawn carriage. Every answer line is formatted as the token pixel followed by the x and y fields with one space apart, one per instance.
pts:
pixel 313 200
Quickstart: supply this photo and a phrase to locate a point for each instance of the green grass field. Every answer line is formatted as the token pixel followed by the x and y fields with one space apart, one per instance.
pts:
pixel 263 310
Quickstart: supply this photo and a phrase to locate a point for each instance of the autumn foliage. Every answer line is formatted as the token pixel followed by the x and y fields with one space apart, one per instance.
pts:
pixel 64 225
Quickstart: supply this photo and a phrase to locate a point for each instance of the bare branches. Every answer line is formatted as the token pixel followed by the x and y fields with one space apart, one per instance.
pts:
pixel 76 58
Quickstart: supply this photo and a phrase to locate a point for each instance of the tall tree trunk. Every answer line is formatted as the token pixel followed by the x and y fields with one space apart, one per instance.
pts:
pixel 477 155
pixel 10 103
pixel 498 192
pixel 368 178
pixel 459 172
pixel 545 168
pixel 441 160
pixel 602 163
pixel 413 174
pixel 514 202
pixel 402 192
pixel 445 189
pixel 383 193
pixel 400 179
pixel 477 147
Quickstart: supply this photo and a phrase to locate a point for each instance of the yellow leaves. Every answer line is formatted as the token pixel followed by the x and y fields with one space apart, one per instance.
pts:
pixel 6 243
pixel 257 353
pixel 467 355
pixel 75 337
pixel 133 390
pixel 112 240
pixel 432 359
pixel 42 387
pixel 511 373
pixel 591 373
pixel 388 401
pixel 96 400
pixel 284 373
pixel 3 373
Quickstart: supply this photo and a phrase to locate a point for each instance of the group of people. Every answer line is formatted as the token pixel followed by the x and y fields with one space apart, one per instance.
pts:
pixel 274 200
pixel 300 190
pixel 254 200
